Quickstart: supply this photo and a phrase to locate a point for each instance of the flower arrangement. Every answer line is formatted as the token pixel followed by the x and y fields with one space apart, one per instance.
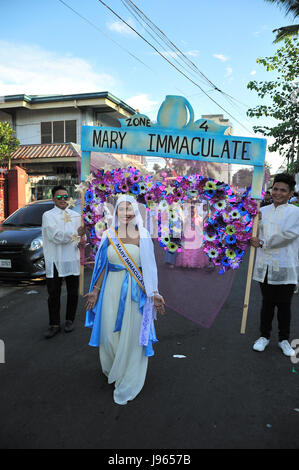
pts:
pixel 227 230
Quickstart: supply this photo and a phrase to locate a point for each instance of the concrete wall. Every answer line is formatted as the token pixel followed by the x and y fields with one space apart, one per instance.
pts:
pixel 4 117
pixel 28 123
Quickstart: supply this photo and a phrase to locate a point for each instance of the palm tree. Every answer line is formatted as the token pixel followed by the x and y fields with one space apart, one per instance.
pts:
pixel 291 7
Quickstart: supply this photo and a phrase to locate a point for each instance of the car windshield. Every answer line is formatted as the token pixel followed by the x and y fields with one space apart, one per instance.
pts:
pixel 28 216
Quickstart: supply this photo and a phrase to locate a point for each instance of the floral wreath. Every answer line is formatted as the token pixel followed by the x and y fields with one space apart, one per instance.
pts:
pixel 226 232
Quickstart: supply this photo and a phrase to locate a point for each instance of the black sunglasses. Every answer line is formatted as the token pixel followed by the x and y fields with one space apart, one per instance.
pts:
pixel 65 197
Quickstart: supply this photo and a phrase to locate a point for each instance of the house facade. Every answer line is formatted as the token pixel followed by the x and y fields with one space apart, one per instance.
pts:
pixel 57 119
pixel 49 131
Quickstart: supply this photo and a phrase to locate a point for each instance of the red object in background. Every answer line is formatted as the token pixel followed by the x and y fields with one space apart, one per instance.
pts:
pixel 17 178
pixel 2 195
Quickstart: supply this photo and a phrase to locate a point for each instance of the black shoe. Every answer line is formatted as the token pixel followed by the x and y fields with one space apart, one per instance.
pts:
pixel 69 326
pixel 52 331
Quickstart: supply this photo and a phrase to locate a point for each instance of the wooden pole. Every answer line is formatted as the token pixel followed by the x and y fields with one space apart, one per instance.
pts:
pixel 85 171
pixel 250 271
pixel 82 249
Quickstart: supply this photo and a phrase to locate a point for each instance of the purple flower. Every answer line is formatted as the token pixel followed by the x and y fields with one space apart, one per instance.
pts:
pixel 250 205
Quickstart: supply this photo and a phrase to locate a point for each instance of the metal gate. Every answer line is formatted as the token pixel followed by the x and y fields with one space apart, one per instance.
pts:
pixel 42 189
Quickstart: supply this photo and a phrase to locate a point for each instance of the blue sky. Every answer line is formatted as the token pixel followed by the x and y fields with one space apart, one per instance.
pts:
pixel 45 48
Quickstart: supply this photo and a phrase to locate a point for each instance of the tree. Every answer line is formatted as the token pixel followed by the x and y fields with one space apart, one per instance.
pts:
pixel 291 6
pixel 156 168
pixel 8 142
pixel 243 178
pixel 284 93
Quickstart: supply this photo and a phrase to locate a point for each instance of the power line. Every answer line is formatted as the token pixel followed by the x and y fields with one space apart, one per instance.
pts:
pixel 186 59
pixel 104 34
pixel 163 36
pixel 165 52
pixel 234 102
pixel 108 37
pixel 173 65
pixel 165 58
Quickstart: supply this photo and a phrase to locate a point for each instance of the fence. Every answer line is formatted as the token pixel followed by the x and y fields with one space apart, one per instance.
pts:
pixel 42 189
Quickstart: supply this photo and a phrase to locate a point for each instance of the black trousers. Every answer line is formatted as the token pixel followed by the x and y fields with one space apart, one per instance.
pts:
pixel 54 290
pixel 279 296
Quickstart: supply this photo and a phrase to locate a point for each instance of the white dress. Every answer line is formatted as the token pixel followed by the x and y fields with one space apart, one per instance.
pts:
pixel 121 356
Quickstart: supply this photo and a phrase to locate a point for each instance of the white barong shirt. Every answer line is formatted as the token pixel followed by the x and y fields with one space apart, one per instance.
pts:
pixel 60 229
pixel 279 230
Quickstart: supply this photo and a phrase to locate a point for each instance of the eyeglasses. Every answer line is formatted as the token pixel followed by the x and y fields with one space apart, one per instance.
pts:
pixel 65 197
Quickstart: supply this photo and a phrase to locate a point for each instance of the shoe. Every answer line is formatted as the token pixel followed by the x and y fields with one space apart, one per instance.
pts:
pixel 69 326
pixel 286 348
pixel 261 344
pixel 52 331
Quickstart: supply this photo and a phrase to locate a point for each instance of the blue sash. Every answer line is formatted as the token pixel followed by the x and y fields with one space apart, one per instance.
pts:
pixel 137 294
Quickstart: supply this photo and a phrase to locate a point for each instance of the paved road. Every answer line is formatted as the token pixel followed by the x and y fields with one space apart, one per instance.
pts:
pixel 221 396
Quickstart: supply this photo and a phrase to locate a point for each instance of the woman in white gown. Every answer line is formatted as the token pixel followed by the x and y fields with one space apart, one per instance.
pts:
pixel 122 301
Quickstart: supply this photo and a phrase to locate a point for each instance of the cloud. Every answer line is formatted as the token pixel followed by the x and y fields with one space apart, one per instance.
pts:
pixel 261 31
pixel 121 28
pixel 194 53
pixel 229 71
pixel 29 69
pixel 221 57
pixel 253 72
pixel 171 54
pixel 175 54
pixel 142 102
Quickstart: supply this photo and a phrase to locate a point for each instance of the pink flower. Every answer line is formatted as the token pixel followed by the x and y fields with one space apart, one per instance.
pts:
pixel 135 179
pixel 184 184
pixel 250 205
pixel 170 199
pixel 243 236
pixel 117 177
pixel 124 187
pixel 149 197
pixel 242 246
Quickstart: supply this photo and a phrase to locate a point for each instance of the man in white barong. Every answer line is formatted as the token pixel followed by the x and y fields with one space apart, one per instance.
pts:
pixel 61 228
pixel 276 266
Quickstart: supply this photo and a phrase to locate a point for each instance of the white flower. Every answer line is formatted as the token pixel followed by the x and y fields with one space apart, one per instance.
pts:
pixel 220 205
pixel 235 214
pixel 89 217
pixel 163 206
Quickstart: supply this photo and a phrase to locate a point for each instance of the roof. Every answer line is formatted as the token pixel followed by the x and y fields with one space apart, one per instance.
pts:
pixel 98 99
pixel 38 151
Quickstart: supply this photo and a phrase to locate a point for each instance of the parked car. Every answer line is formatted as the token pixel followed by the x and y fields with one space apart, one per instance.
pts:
pixel 21 243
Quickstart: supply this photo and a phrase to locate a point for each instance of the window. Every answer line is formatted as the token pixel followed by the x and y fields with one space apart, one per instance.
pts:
pixel 58 132
pixel 71 131
pixel 29 215
pixel 46 132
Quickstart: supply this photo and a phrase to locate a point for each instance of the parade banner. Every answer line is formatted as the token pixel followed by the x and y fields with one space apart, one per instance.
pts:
pixel 176 135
